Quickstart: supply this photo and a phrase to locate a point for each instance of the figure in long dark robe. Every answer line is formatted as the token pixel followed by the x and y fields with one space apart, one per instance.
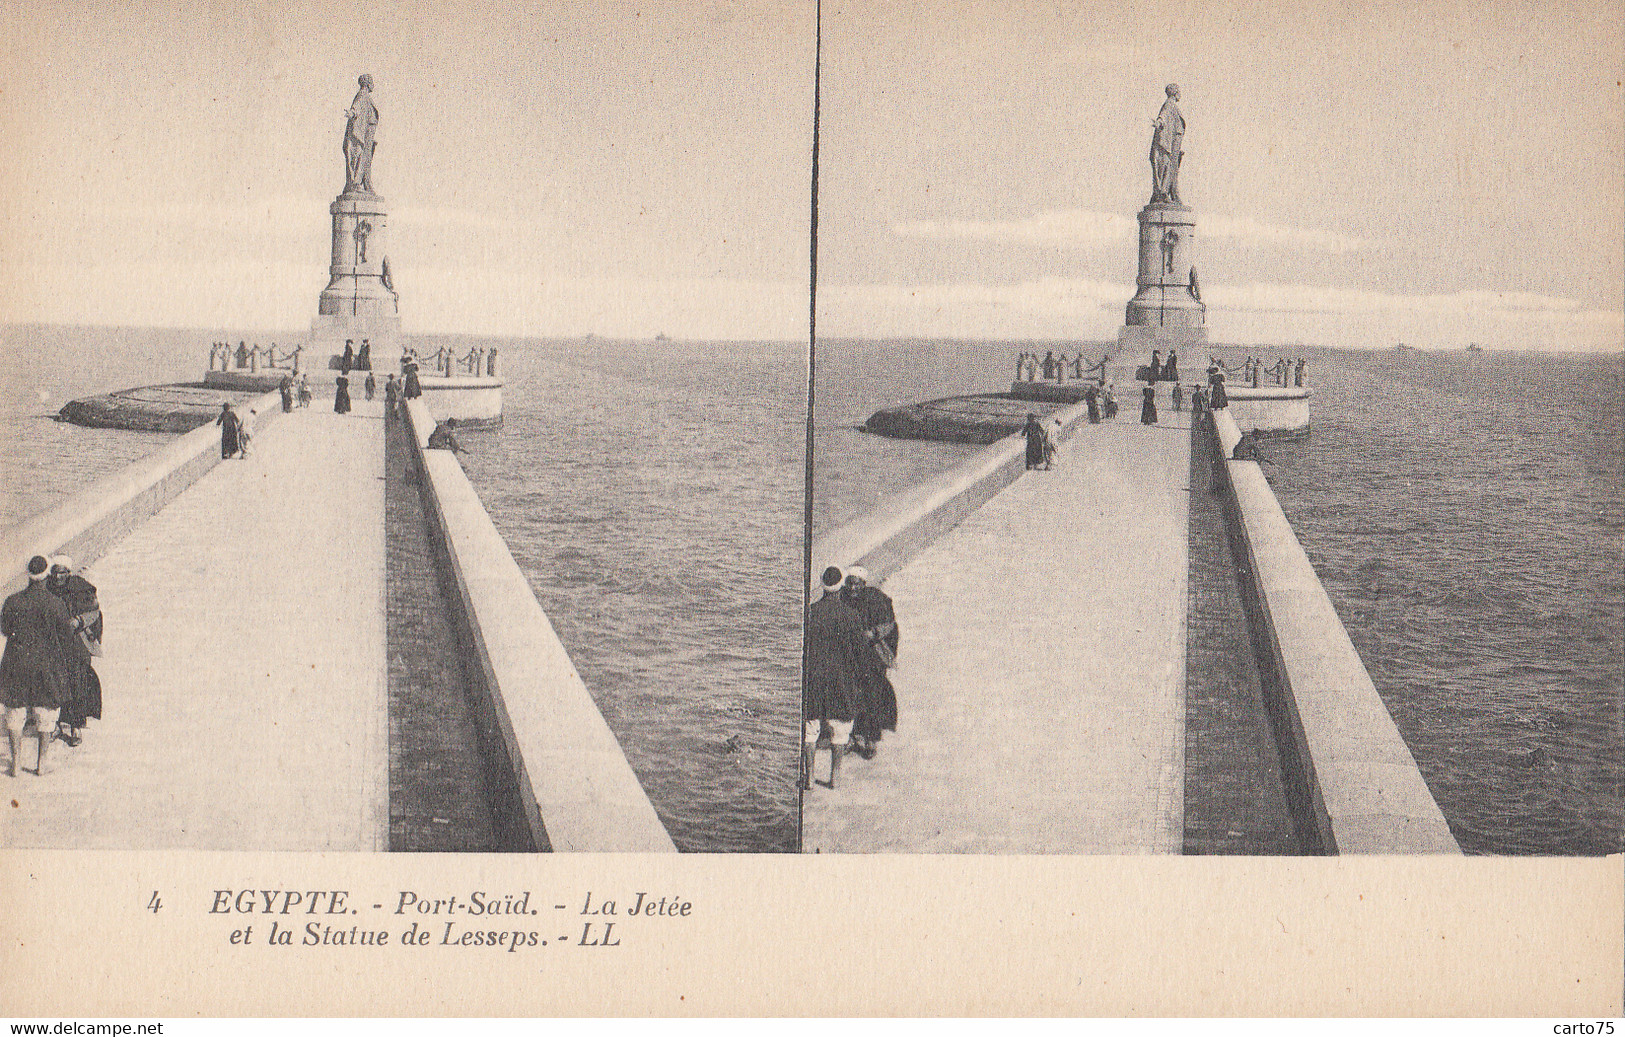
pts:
pixel 1148 405
pixel 1217 398
pixel 1091 399
pixel 230 428
pixel 363 357
pixel 84 698
pixel 833 660
pixel 877 710
pixel 414 388
pixel 286 389
pixel 1170 369
pixel 1035 442
pixel 347 361
pixel 40 645
pixel 341 396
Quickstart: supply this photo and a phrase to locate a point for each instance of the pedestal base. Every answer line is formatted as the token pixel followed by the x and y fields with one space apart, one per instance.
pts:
pixel 1141 339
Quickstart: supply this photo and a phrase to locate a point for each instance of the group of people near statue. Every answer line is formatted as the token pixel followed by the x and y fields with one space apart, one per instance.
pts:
pixel 1054 368
pixel 53 628
pixel 848 701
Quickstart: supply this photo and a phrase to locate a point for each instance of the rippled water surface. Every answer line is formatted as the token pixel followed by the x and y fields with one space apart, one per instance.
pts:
pixel 1464 512
pixel 652 494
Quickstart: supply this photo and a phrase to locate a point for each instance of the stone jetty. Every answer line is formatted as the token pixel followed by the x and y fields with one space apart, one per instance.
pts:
pixel 1043 693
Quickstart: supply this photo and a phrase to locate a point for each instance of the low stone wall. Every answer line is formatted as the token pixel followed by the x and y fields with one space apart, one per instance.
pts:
pixel 903 525
pixel 471 400
pixel 1270 410
pixel 577 790
pixel 1358 777
pixel 86 524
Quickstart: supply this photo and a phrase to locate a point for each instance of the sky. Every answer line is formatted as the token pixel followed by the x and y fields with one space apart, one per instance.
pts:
pixel 1361 173
pixel 551 169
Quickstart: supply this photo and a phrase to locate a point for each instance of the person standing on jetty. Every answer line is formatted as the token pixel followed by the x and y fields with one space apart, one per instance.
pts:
pixel 1091 399
pixel 347 361
pixel 833 661
pixel 341 395
pixel 1170 369
pixel 231 427
pixel 40 647
pixel 1217 398
pixel 1148 405
pixel 877 710
pixel 363 357
pixel 304 390
pixel 1035 442
pixel 370 386
pixel 1109 400
pixel 414 388
pixel 392 395
pixel 84 699
pixel 285 387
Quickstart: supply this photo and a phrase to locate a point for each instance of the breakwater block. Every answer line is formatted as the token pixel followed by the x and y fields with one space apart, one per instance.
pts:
pixel 153 408
pixel 981 419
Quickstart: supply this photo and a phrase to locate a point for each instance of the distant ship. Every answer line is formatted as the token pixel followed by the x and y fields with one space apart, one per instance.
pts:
pixel 1403 348
pixel 662 337
pixel 1474 347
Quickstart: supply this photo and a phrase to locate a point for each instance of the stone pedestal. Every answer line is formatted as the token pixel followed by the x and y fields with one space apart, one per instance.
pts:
pixel 357 304
pixel 1165 312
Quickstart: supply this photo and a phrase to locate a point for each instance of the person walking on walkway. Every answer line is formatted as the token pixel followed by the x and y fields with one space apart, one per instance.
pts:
pixel 1035 442
pixel 347 361
pixel 363 357
pixel 40 646
pixel 414 388
pixel 231 428
pixel 1179 395
pixel 84 699
pixel 245 435
pixel 370 386
pixel 833 662
pixel 304 390
pixel 1148 405
pixel 1091 399
pixel 285 387
pixel 1109 401
pixel 1170 369
pixel 392 395
pixel 341 395
pixel 877 710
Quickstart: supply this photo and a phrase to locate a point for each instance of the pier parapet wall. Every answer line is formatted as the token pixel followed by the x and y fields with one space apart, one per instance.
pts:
pixel 1359 779
pixel 94 519
pixel 886 538
pixel 577 790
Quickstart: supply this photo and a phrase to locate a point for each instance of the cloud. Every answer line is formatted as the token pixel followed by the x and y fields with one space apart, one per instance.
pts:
pixel 1057 228
pixel 1085 228
pixel 1252 234
pixel 1300 298
pixel 1083 310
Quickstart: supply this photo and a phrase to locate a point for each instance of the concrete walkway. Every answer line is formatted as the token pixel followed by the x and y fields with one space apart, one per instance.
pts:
pixel 1041 675
pixel 243 680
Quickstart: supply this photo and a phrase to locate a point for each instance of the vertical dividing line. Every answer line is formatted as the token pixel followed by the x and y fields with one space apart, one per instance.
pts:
pixel 804 775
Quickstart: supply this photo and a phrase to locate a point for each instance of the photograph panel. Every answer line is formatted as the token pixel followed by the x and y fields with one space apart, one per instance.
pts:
pixel 429 391
pixel 1224 440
